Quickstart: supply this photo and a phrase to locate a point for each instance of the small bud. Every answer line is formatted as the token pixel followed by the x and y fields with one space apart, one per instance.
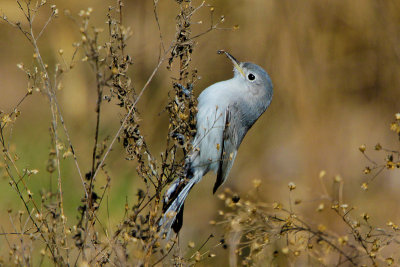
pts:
pixel 222 196
pixel 6 118
pixel 365 216
pixel 364 186
pixel 378 147
pixel 67 154
pixel 277 206
pixel 292 186
pixel 393 127
pixel 321 227
pixel 343 240
pixel 235 198
pixel 320 207
pixel 389 261
pixel 362 148
pixel 191 244
pixel 338 179
pixel 197 256
pixel 114 71
pixel 285 250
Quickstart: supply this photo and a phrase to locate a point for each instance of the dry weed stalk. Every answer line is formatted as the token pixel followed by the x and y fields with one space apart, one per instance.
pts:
pixel 87 241
pixel 269 233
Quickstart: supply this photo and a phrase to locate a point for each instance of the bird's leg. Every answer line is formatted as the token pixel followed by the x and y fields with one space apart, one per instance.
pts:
pixel 187 91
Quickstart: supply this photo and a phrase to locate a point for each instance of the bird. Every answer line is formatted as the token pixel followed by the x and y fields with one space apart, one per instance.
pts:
pixel 226 112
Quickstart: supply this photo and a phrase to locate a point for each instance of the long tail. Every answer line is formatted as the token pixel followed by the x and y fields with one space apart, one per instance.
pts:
pixel 174 200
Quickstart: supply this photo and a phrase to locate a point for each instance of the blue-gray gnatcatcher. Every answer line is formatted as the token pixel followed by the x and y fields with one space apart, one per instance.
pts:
pixel 226 111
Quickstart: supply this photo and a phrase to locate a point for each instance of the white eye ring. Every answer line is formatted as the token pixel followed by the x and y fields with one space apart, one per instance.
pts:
pixel 251 77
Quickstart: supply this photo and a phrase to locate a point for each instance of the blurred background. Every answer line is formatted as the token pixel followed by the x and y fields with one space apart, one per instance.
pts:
pixel 335 67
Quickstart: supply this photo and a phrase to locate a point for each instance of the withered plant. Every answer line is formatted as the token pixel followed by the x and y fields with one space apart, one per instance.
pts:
pixel 135 240
pixel 272 234
pixel 256 233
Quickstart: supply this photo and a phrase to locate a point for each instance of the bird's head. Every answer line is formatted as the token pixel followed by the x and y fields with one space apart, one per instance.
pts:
pixel 251 74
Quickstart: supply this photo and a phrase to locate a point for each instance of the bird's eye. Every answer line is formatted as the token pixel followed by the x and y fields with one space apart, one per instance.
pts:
pixel 251 76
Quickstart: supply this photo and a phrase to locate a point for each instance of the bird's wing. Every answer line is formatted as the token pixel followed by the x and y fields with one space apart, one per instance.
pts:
pixel 229 145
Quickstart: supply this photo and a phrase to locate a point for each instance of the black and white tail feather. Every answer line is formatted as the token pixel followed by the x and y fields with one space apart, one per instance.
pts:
pixel 173 203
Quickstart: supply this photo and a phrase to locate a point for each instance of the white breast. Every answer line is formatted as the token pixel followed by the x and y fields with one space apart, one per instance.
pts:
pixel 212 105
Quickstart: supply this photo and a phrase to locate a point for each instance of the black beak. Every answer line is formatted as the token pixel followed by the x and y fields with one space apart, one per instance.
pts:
pixel 235 62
